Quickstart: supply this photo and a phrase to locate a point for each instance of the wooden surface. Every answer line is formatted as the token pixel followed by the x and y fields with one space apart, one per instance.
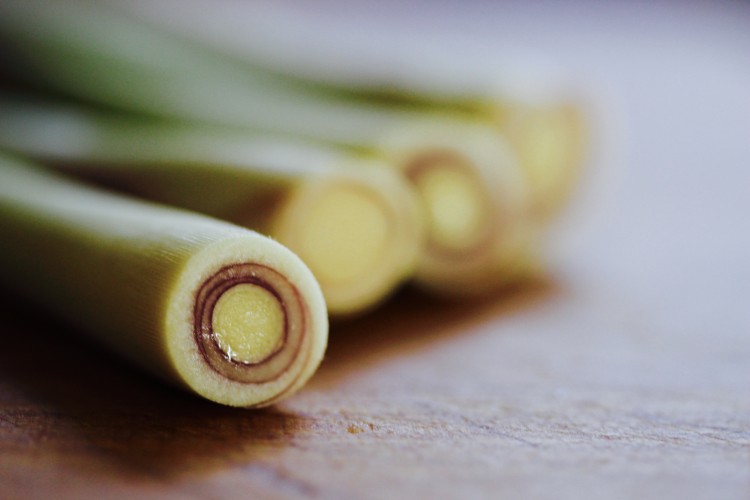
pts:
pixel 625 374
pixel 551 390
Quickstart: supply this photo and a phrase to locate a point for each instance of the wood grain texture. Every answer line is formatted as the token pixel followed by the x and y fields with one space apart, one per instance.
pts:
pixel 422 399
pixel 624 375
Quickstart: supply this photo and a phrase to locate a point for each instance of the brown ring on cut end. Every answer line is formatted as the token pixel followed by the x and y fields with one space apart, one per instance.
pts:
pixel 421 164
pixel 295 323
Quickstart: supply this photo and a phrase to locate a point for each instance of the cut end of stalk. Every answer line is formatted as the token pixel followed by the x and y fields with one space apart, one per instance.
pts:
pixel 471 189
pixel 455 213
pixel 246 323
pixel 550 143
pixel 455 202
pixel 358 229
pixel 345 235
pixel 249 323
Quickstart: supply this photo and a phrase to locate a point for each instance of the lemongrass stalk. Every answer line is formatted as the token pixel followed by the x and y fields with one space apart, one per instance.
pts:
pixel 480 233
pixel 356 223
pixel 550 141
pixel 217 309
pixel 529 97
pixel 101 55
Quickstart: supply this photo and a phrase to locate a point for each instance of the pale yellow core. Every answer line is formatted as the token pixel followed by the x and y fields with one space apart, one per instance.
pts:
pixel 344 235
pixel 546 149
pixel 248 323
pixel 454 208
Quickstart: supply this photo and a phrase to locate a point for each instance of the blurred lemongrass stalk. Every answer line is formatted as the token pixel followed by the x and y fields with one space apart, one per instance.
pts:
pixel 356 223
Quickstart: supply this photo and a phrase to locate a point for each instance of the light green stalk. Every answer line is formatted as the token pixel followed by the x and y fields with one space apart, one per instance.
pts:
pixel 150 282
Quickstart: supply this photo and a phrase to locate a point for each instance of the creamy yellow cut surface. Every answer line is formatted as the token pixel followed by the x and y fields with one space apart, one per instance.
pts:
pixel 454 210
pixel 345 235
pixel 546 150
pixel 248 323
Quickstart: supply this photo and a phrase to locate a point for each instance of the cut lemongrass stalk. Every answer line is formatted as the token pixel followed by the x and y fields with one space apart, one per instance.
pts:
pixel 550 141
pixel 475 200
pixel 220 310
pixel 360 230
pixel 355 222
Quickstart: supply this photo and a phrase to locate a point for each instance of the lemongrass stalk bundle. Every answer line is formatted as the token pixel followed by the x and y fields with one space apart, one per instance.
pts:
pixel 355 223
pixel 217 309
pixel 104 56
